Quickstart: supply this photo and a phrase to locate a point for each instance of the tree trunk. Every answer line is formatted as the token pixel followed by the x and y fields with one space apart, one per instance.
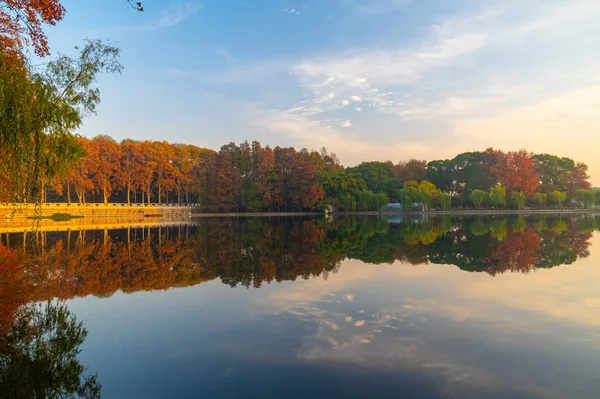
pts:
pixel 68 193
pixel 128 193
pixel 159 192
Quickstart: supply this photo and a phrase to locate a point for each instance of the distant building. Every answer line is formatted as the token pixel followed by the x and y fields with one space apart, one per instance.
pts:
pixel 397 207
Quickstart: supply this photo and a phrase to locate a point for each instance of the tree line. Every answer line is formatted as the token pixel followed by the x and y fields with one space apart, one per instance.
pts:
pixel 248 177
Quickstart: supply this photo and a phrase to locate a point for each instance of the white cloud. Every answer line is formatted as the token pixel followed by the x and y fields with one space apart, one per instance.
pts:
pixel 356 98
pixel 347 124
pixel 352 149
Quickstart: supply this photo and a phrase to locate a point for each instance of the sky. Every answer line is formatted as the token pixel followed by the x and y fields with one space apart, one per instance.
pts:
pixel 367 79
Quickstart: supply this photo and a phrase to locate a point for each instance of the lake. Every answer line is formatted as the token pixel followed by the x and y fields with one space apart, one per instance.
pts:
pixel 290 307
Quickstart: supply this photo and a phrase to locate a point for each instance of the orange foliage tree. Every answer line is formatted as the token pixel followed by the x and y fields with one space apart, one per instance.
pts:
pixel 21 22
pixel 516 171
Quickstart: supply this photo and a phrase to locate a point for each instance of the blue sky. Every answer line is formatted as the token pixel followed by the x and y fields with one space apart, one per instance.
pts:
pixel 368 79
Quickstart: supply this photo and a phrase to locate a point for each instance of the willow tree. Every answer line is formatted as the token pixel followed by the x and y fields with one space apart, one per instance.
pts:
pixel 39 110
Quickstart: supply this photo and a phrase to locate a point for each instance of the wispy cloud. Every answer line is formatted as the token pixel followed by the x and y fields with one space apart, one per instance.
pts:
pixel 374 7
pixel 173 15
pixel 223 52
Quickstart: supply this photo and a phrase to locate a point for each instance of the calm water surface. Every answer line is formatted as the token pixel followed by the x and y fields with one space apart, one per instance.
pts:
pixel 296 308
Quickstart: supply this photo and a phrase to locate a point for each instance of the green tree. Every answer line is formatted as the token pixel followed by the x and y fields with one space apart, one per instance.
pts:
pixel 585 197
pixel 498 196
pixel 408 197
pixel 540 198
pixel 478 197
pixel 349 203
pixel 518 200
pixel 553 171
pixel 337 184
pixel 445 200
pixel 379 176
pixel 38 113
pixel 381 199
pixel 557 198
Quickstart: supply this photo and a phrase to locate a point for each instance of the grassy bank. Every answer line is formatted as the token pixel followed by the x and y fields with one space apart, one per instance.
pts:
pixel 56 217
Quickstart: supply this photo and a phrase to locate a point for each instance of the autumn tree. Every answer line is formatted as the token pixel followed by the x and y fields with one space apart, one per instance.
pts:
pixel 22 25
pixel 204 178
pixel 577 178
pixel 516 171
pixel 145 176
pixel 107 173
pixel 304 192
pixel 131 165
pixel 80 176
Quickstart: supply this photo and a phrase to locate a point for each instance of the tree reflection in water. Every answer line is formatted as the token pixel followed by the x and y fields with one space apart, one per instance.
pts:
pixel 38 355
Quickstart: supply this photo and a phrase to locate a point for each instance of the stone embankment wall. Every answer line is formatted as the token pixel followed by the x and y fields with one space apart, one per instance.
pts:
pixel 15 211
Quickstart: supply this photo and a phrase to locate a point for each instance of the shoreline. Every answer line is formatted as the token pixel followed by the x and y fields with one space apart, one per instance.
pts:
pixel 483 212
pixel 101 222
pixel 154 211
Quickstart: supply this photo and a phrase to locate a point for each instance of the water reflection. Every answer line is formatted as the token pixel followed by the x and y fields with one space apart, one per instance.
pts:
pixel 251 252
pixel 374 332
pixel 38 355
